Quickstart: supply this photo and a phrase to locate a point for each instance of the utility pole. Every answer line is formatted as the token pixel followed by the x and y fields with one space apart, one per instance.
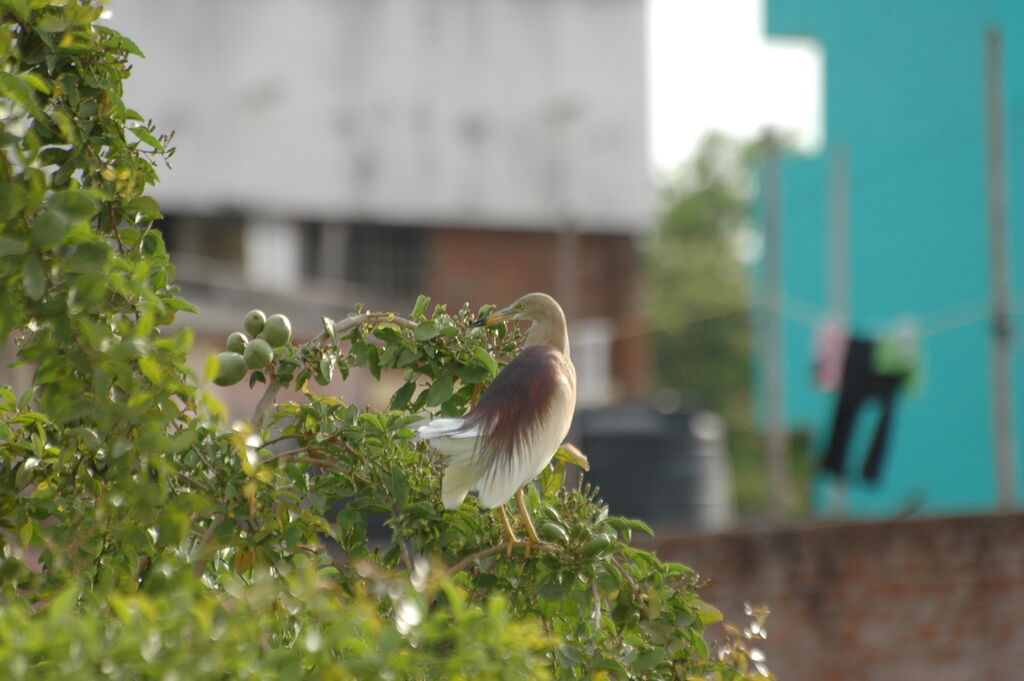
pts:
pixel 839 235
pixel 1001 329
pixel 838 245
pixel 771 315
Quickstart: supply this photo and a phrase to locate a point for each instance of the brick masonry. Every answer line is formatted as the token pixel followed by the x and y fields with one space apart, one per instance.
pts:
pixel 936 599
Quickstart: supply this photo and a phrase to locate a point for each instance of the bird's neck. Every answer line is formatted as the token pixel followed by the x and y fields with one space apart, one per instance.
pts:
pixel 553 332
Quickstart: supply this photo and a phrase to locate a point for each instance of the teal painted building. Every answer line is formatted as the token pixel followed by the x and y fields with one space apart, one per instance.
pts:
pixel 905 103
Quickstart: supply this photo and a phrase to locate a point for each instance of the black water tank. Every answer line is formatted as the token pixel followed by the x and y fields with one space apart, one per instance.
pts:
pixel 669 470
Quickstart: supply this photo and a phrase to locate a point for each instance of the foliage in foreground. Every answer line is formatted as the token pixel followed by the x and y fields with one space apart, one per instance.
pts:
pixel 144 538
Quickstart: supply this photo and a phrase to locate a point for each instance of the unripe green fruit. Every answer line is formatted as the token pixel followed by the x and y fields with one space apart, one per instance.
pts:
pixel 596 546
pixel 237 342
pixel 254 322
pixel 230 368
pixel 554 532
pixel 278 330
pixel 258 353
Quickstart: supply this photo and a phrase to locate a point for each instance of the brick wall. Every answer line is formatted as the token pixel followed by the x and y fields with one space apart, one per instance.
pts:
pixel 937 599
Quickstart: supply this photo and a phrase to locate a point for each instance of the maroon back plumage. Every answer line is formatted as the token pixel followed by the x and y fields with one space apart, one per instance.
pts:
pixel 515 403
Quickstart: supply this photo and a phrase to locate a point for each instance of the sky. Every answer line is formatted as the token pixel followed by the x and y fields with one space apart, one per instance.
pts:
pixel 710 67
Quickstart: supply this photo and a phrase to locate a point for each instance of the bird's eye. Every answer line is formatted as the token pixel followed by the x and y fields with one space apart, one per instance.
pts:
pixel 519 306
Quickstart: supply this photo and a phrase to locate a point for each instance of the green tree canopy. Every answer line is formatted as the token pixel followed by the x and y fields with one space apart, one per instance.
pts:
pixel 144 537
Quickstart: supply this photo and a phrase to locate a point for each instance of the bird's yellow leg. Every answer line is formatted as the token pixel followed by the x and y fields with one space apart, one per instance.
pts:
pixel 512 538
pixel 530 530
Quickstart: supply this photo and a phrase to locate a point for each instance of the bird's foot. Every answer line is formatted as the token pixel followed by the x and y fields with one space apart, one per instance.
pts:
pixel 513 540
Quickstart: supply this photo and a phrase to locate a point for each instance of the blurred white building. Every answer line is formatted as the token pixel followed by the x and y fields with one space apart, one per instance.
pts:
pixel 334 151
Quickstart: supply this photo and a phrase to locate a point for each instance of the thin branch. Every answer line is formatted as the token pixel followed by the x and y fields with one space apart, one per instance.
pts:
pixel 206 462
pixel 341 327
pixel 625 575
pixel 494 550
pixel 406 554
pixel 267 401
pixel 204 552
pixel 284 455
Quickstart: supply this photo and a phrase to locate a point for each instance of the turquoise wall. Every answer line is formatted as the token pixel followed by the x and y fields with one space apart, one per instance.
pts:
pixel 905 97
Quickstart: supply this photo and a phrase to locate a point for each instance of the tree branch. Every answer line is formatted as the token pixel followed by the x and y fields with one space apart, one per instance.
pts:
pixel 494 550
pixel 204 553
pixel 341 327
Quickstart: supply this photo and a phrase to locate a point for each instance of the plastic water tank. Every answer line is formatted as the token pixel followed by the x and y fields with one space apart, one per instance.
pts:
pixel 669 470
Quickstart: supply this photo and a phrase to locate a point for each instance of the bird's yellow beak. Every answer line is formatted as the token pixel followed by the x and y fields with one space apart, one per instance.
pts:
pixel 494 317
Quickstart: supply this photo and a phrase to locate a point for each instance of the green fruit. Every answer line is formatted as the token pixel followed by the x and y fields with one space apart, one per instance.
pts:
pixel 237 342
pixel 554 532
pixel 278 330
pixel 254 322
pixel 596 546
pixel 230 368
pixel 258 353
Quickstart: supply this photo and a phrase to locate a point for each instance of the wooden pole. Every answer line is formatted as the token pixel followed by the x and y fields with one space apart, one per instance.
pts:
pixel 775 433
pixel 1001 329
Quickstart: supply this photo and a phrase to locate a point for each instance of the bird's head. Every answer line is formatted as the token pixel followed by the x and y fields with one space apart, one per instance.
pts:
pixel 539 308
pixel 532 307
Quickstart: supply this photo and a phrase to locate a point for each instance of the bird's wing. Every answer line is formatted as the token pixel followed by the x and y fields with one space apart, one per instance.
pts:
pixel 511 434
pixel 456 440
pixel 526 413
pixel 458 443
pixel 444 427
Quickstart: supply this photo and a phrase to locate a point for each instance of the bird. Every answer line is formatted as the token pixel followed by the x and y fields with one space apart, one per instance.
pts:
pixel 519 422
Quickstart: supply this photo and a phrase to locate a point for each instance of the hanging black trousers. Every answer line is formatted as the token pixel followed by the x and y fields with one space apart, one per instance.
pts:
pixel 860 383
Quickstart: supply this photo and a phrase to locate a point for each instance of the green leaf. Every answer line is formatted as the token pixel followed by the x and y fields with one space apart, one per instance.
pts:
pixel 20 91
pixel 13 199
pixel 473 373
pixel 326 372
pixel 426 331
pixel 181 304
pixel 420 307
pixel 11 247
pixel 388 334
pixel 37 81
pixel 146 205
pixel 89 258
pixel 400 400
pixel 66 125
pixel 629 524
pixel 49 229
pixel 569 656
pixel 399 484
pixel 650 659
pixel 33 277
pixel 707 613
pixel 53 23
pixel 485 358
pixel 552 479
pixel 151 370
pixel 17 7
pixel 440 391
pixel 373 360
pixel 75 204
pixel 147 137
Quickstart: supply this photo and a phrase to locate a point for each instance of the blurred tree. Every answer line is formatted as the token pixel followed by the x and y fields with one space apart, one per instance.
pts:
pixel 700 300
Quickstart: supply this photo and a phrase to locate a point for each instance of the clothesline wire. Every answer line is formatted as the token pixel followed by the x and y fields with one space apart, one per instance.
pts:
pixel 810 315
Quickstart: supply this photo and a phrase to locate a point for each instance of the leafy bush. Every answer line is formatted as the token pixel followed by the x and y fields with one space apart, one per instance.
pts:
pixel 143 537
